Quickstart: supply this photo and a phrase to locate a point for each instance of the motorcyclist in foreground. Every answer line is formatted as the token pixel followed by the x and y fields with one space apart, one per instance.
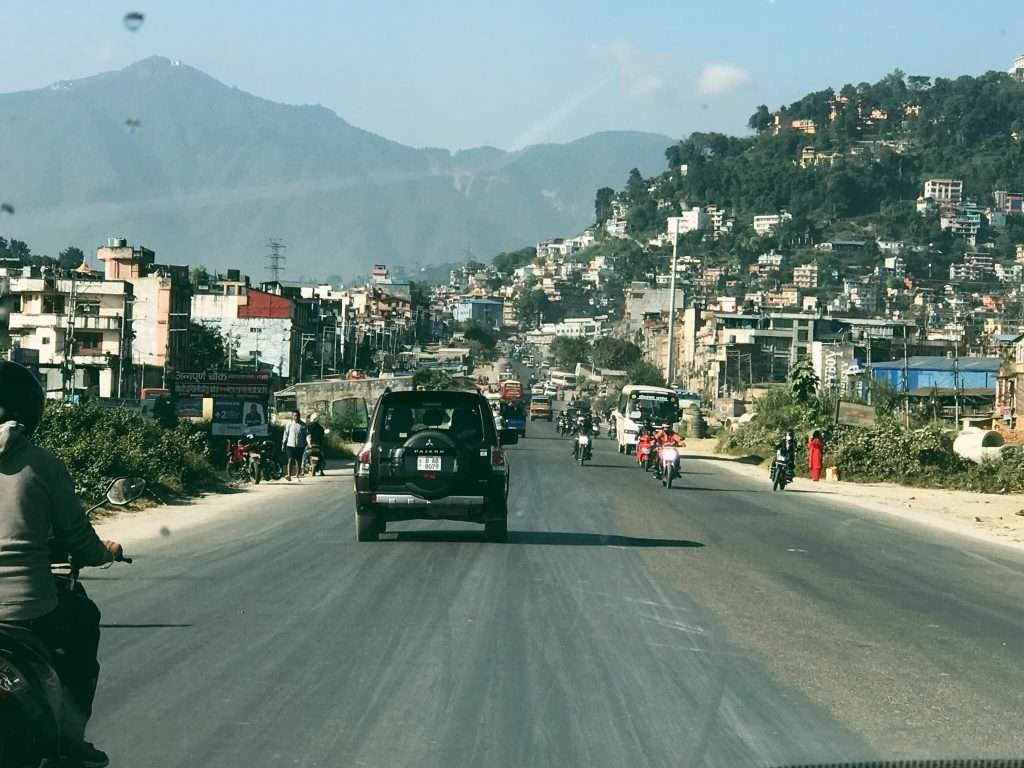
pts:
pixel 583 426
pixel 666 436
pixel 37 500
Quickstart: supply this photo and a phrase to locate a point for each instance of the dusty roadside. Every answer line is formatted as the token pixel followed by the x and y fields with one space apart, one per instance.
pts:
pixel 990 517
pixel 164 519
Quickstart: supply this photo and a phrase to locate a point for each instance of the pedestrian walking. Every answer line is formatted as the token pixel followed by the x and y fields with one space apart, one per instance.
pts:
pixel 815 449
pixel 294 444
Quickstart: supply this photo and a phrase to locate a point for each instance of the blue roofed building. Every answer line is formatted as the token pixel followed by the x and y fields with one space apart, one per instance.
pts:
pixel 927 373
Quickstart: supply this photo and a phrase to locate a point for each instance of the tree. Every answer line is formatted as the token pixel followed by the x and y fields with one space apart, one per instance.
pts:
pixel 636 188
pixel 207 349
pixel 568 351
pixel 643 372
pixel 199 275
pixel 531 306
pixel 431 378
pixel 71 257
pixel 615 353
pixel 603 204
pixel 760 120
pixel 481 334
pixel 511 260
pixel 803 381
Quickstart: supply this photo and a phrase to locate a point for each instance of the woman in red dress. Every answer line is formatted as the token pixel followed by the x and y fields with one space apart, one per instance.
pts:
pixel 815 449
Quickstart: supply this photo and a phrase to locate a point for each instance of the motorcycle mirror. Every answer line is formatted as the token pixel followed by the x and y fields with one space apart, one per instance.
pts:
pixel 125 490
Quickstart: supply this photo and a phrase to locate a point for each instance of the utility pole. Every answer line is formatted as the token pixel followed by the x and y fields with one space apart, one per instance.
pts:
pixel 71 309
pixel 956 381
pixel 906 382
pixel 670 375
pixel 275 259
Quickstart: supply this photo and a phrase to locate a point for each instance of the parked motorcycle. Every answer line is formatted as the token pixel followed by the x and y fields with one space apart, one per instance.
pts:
pixel 30 690
pixel 781 472
pixel 269 465
pixel 238 467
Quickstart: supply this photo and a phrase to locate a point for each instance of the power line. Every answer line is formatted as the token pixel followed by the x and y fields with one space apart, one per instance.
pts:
pixel 275 259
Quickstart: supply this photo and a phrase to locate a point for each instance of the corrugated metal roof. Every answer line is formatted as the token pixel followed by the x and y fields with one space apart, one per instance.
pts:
pixel 933 363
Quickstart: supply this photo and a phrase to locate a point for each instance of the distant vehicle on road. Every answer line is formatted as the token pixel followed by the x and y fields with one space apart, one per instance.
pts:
pixel 638 404
pixel 563 380
pixel 540 408
pixel 514 414
pixel 511 390
pixel 433 456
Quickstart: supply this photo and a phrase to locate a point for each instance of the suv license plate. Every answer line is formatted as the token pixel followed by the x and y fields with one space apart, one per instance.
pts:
pixel 428 463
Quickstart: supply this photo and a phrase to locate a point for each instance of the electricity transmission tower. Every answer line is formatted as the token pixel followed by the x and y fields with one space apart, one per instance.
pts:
pixel 275 259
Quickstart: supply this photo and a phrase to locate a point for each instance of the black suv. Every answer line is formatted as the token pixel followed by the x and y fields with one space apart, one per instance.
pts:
pixel 433 456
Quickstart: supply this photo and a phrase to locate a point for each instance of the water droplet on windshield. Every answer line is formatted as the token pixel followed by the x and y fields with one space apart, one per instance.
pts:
pixel 133 20
pixel 7 208
pixel 131 124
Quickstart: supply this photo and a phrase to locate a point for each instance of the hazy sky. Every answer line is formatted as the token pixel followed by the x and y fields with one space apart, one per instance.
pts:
pixel 462 74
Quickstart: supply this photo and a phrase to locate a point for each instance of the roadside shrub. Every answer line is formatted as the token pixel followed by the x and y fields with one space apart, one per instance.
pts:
pixel 100 444
pixel 884 452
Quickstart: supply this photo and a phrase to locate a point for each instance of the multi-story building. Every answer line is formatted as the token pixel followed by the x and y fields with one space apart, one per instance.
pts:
pixel 1009 202
pixel 785 296
pixel 1017 70
pixel 719 222
pixel 806 276
pixel 615 227
pixel 944 190
pixel 963 220
pixel 976 267
pixel 688 221
pixel 263 330
pixel 575 327
pixel 80 329
pixel 895 266
pixel 488 312
pixel 162 296
pixel 765 224
pixel 642 301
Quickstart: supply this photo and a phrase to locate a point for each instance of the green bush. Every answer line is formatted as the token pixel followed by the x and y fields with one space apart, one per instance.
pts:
pixel 884 452
pixel 100 444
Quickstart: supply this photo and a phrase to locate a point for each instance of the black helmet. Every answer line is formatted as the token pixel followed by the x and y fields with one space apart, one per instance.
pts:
pixel 21 397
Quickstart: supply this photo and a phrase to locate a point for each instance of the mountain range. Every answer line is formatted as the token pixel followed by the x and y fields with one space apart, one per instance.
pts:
pixel 204 173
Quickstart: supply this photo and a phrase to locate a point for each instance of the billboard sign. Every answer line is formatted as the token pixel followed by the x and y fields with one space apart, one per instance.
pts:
pixel 246 385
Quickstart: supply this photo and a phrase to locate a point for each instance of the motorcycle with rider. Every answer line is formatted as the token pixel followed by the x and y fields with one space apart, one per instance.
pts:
pixel 582 448
pixel 49 628
pixel 668 443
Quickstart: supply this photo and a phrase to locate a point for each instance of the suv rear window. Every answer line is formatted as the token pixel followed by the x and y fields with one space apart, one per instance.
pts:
pixel 461 419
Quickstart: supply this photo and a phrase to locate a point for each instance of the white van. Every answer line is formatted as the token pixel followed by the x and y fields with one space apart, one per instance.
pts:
pixel 639 403
pixel 563 380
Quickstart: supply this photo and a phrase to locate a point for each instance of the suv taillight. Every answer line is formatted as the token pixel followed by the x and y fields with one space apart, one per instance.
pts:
pixel 365 456
pixel 497 459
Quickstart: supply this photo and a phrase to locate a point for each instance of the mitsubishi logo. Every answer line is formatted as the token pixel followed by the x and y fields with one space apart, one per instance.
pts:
pixel 429 443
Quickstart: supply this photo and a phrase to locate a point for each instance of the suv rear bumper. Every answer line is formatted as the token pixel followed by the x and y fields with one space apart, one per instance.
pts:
pixel 396 506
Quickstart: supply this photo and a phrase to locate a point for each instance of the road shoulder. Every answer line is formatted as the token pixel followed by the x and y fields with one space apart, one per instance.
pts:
pixel 993 518
pixel 163 519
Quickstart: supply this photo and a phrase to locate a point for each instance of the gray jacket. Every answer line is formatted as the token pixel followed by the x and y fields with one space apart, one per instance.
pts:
pixel 37 496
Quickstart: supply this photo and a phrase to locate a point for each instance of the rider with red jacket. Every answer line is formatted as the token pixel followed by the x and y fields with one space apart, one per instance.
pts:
pixel 667 436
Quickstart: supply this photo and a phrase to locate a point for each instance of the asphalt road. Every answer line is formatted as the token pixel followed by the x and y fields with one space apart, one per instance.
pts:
pixel 623 624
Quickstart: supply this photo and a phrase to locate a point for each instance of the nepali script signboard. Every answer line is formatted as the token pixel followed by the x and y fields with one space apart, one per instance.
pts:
pixel 240 399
